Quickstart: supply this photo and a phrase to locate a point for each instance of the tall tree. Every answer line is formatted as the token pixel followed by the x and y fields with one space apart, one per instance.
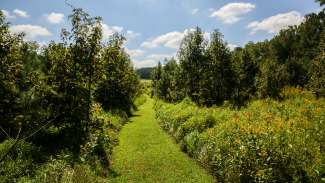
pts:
pixel 191 57
pixel 245 69
pixel 218 73
pixel 156 80
pixel 73 75
pixel 120 84
pixel 11 71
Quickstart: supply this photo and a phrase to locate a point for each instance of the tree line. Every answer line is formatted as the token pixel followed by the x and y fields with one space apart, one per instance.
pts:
pixel 47 94
pixel 209 73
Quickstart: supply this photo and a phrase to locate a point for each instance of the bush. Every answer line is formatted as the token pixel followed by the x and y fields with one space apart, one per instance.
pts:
pixel 140 100
pixel 27 162
pixel 19 162
pixel 269 141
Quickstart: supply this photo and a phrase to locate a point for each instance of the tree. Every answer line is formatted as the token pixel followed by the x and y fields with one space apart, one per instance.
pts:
pixel 156 79
pixel 317 75
pixel 245 70
pixel 171 83
pixel 145 73
pixel 218 74
pixel 120 86
pixel 11 71
pixel 191 57
pixel 72 69
pixel 272 78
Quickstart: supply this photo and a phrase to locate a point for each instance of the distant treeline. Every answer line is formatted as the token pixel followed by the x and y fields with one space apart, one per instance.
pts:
pixel 209 73
pixel 145 73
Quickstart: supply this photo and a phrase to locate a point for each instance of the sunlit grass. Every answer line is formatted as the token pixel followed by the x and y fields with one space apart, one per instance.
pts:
pixel 147 154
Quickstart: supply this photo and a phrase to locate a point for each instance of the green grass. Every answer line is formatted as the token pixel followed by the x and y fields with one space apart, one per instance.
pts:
pixel 147 154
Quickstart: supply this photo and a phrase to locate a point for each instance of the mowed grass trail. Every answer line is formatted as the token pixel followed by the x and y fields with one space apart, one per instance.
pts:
pixel 147 154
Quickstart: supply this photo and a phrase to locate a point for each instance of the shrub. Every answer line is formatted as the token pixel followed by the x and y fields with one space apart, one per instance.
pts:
pixel 268 141
pixel 19 162
pixel 140 100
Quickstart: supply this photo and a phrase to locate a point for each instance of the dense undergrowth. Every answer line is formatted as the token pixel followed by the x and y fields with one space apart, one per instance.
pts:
pixel 28 162
pixel 268 141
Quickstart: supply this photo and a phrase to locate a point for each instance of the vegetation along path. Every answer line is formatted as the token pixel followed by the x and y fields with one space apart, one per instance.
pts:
pixel 147 154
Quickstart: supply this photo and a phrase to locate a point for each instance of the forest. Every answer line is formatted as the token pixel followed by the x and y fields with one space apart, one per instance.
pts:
pixel 77 110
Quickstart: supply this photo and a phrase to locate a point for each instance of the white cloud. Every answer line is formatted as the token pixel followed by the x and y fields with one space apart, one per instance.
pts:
pixel 145 63
pixel 55 18
pixel 134 53
pixel 169 40
pixel 108 31
pixel 7 14
pixel 160 57
pixel 207 35
pixel 131 34
pixel 277 22
pixel 232 12
pixel 31 31
pixel 194 11
pixel 152 60
pixel 232 46
pixel 20 13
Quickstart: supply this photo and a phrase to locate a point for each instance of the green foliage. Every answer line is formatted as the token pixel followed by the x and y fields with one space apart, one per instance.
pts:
pixel 29 163
pixel 156 80
pixel 167 82
pixel 191 58
pixel 269 141
pixel 210 74
pixel 47 103
pixel 140 100
pixel 218 75
pixel 144 73
pixel 73 71
pixel 11 70
pixel 19 162
pixel 245 69
pixel 146 87
pixel 317 76
pixel 120 84
pixel 271 79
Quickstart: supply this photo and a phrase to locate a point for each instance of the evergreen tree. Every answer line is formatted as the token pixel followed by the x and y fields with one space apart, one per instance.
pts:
pixel 172 81
pixel 218 73
pixel 191 57
pixel 156 80
pixel 245 70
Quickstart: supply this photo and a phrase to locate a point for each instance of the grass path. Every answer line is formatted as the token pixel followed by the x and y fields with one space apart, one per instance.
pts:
pixel 147 154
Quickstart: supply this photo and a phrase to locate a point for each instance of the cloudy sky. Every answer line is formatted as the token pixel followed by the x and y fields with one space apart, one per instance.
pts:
pixel 155 28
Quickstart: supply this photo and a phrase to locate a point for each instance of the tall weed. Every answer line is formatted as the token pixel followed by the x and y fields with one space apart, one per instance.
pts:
pixel 268 141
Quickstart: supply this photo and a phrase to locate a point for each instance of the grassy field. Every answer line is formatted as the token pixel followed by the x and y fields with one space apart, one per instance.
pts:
pixel 147 154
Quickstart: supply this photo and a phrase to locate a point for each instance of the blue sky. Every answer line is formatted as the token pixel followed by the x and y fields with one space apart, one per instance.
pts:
pixel 154 28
